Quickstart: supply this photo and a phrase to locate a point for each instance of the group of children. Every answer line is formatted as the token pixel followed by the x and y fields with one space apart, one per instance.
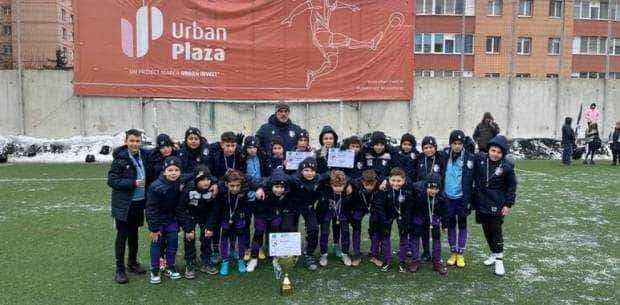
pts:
pixel 231 194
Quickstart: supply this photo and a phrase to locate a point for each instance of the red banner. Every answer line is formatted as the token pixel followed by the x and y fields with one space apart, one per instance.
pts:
pixel 242 49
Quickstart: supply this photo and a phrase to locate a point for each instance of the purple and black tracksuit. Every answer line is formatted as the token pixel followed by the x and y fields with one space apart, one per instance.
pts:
pixel 233 211
pixel 396 205
pixel 428 214
pixel 423 168
pixel 366 203
pixel 162 214
pixel 334 209
pixel 269 212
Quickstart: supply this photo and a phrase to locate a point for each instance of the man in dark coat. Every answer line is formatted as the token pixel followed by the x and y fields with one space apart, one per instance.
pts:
pixel 485 131
pixel 280 125
pixel 568 141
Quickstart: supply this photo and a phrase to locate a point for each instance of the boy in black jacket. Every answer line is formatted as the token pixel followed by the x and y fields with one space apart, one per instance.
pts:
pixel 568 141
pixel 163 214
pixel 366 201
pixel 127 177
pixel 334 209
pixel 193 151
pixel 408 154
pixel 201 209
pixel 164 147
pixel 429 210
pixel 268 213
pixel 495 189
pixel 397 204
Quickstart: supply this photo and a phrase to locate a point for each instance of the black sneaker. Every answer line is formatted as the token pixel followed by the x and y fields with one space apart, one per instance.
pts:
pixel 426 257
pixel 121 277
pixel 172 273
pixel 135 267
pixel 402 267
pixel 310 262
pixel 386 267
pixel 190 272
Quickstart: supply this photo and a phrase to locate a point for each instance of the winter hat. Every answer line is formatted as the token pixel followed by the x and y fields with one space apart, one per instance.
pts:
pixel 202 172
pixel 193 131
pixel 328 129
pixel 303 134
pixel 309 162
pixel 172 161
pixel 282 105
pixel 278 177
pixel 429 140
pixel 250 141
pixel 457 135
pixel 163 140
pixel 408 138
pixel 433 179
pixel 592 105
pixel 355 140
pixel 378 137
pixel 469 145
pixel 277 140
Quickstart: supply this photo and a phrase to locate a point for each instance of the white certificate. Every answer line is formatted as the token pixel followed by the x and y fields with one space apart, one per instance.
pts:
pixel 293 158
pixel 340 158
pixel 285 244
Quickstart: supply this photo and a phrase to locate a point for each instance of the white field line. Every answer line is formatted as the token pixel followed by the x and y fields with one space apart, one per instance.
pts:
pixel 52 179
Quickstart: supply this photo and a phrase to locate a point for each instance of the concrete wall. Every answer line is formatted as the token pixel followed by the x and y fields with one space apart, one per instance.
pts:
pixel 523 108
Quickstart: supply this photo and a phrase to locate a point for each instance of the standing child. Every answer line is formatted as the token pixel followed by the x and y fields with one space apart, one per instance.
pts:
pixel 366 195
pixel 201 209
pixel 305 196
pixel 355 144
pixel 429 162
pixel 408 154
pixel 276 158
pixel 328 138
pixel 194 150
pixel 233 201
pixel 458 188
pixel 255 167
pixel 268 214
pixel 334 208
pixel 127 180
pixel 429 211
pixel 397 204
pixel 303 141
pixel 225 156
pixel 163 213
pixel 378 158
pixel 495 192
pixel 164 147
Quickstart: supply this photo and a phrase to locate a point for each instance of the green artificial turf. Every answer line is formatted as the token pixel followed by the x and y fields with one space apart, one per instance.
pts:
pixel 56 247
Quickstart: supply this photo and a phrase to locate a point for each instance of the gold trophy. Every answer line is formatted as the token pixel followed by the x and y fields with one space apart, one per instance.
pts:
pixel 286 264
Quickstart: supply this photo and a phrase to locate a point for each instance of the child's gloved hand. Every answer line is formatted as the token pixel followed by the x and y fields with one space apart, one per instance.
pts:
pixel 189 236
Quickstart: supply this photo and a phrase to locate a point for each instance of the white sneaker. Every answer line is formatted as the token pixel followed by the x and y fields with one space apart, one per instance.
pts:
pixel 277 269
pixel 155 278
pixel 346 260
pixel 252 265
pixel 499 267
pixel 323 260
pixel 491 260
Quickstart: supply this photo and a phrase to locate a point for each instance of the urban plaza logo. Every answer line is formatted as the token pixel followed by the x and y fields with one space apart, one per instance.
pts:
pixel 136 43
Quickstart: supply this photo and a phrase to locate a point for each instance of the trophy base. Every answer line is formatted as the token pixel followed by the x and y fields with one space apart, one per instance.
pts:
pixel 286 288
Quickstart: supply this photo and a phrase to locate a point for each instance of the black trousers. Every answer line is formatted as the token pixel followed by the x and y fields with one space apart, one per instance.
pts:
pixel 492 228
pixel 127 234
pixel 616 155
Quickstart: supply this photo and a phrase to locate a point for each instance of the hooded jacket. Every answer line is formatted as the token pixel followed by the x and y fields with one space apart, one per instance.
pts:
pixel 162 204
pixel 121 178
pixel 568 134
pixel 287 131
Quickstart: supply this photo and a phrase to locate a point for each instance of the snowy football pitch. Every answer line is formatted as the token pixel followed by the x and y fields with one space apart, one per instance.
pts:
pixel 561 248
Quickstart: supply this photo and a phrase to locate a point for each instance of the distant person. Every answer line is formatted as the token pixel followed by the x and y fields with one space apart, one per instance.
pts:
pixel 614 144
pixel 594 142
pixel 592 114
pixel 568 141
pixel 485 131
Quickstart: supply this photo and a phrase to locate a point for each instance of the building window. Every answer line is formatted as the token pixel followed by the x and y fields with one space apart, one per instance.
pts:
pixel 552 75
pixel 553 46
pixel 6 10
pixel 594 75
pixel 63 15
pixel 525 8
pixel 443 43
pixel 444 7
pixel 7 49
pixel 524 46
pixel 492 75
pixel 586 9
pixel 592 45
pixel 442 73
pixel 555 8
pixel 494 8
pixel 64 34
pixel 493 43
pixel 6 30
pixel 523 75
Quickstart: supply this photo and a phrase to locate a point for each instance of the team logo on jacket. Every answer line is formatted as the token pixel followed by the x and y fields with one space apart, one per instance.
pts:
pixel 207 196
pixel 127 166
pixel 369 162
pixel 470 164
pixel 273 132
pixel 205 152
pixel 401 198
pixel 291 133
pixel 412 155
pixel 436 168
pixel 384 162
pixel 360 165
pixel 499 171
